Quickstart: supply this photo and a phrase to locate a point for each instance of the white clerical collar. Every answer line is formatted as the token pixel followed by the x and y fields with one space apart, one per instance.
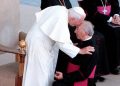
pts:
pixel 88 38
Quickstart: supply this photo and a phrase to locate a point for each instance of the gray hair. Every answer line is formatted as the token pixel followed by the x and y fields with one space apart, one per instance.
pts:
pixel 76 12
pixel 88 28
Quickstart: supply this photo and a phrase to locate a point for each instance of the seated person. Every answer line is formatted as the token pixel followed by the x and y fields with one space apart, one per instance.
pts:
pixel 85 63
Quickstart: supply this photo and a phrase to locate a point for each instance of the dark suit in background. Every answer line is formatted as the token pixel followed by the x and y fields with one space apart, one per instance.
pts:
pixel 111 35
pixel 47 3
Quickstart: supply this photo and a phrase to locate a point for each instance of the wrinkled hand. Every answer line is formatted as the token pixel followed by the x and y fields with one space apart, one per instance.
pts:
pixel 87 50
pixel 58 75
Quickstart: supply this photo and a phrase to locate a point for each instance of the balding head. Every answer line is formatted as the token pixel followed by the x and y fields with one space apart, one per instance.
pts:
pixel 88 28
pixel 85 30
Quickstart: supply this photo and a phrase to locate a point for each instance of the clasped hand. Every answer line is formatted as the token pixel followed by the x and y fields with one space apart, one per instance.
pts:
pixel 87 50
pixel 58 75
pixel 116 19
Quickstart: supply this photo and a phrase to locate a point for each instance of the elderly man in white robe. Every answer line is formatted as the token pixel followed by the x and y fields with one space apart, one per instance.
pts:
pixel 49 34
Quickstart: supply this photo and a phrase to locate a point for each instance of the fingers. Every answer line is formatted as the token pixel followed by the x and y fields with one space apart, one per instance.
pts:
pixel 58 75
pixel 91 49
pixel 87 50
pixel 57 72
pixel 89 53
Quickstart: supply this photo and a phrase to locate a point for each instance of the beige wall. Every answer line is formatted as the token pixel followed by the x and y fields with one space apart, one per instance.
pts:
pixel 9 22
pixel 27 16
pixel 14 17
pixel 9 26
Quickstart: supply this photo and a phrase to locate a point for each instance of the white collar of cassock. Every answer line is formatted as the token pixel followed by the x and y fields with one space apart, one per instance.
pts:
pixel 88 38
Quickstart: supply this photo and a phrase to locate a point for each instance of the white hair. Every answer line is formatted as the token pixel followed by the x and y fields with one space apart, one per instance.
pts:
pixel 88 28
pixel 76 12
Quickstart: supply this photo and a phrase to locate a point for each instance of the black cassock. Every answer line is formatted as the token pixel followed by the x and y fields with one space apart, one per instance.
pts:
pixel 47 3
pixel 112 35
pixel 86 63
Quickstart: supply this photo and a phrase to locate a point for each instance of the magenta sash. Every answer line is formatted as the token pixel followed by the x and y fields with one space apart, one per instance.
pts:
pixel 71 68
pixel 100 9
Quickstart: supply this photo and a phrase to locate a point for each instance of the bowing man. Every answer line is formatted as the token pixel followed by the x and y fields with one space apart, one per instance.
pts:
pixel 81 67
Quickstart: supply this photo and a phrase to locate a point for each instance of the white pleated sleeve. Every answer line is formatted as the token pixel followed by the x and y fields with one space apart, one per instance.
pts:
pixel 69 49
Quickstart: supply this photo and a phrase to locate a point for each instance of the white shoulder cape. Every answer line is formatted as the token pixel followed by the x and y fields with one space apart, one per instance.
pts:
pixel 53 21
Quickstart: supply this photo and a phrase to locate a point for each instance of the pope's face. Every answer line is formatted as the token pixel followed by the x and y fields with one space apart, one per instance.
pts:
pixel 75 22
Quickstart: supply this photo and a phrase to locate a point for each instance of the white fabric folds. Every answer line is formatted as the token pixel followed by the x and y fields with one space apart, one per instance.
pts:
pixel 45 20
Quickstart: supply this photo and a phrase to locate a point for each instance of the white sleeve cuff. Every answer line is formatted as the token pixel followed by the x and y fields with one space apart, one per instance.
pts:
pixel 69 49
pixel 110 19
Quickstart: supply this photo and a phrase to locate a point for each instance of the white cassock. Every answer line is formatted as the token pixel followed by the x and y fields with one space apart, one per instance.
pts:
pixel 49 34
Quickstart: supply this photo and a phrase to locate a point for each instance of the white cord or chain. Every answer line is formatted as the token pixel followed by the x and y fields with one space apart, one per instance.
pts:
pixel 104 6
pixel 62 3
